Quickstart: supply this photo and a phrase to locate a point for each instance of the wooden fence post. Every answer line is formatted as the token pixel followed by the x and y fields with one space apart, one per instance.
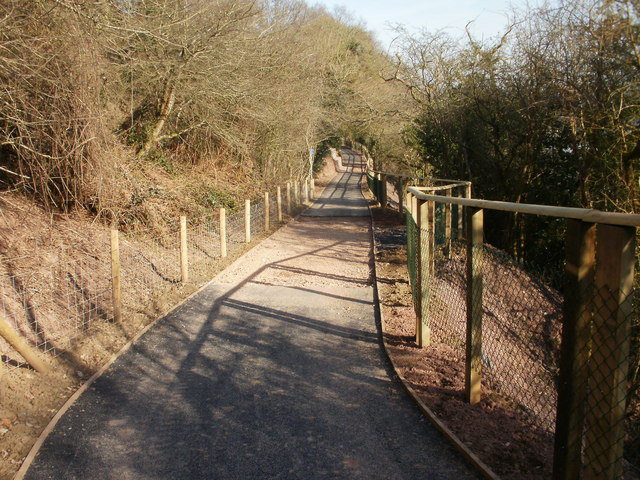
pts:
pixel 580 251
pixel 431 226
pixel 376 187
pixel 610 347
pixel 289 198
pixel 473 361
pixel 22 347
pixel 405 188
pixel 383 191
pixel 313 189
pixel 223 232
pixel 306 191
pixel 116 279
pixel 409 202
pixel 414 206
pixel 447 225
pixel 423 274
pixel 460 226
pixel 247 221
pixel 467 194
pixel 417 217
pixel 279 203
pixel 184 254
pixel 267 212
pixel 296 193
pixel 401 195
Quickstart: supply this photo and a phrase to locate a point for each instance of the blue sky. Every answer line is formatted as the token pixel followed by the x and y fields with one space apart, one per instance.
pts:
pixel 489 16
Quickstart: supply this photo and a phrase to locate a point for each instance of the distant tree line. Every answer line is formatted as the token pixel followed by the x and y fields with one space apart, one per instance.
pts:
pixel 97 98
pixel 547 113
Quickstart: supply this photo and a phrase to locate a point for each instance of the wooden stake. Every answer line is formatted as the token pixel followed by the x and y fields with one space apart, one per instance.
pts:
pixel 467 194
pixel 289 198
pixel 580 251
pixel 383 191
pixel 223 232
pixel 22 347
pixel 473 361
pixel 267 212
pixel 447 225
pixel 401 196
pixel 460 227
pixel 423 271
pixel 116 279
pixel 610 347
pixel 184 255
pixel 247 221
pixel 279 203
pixel 431 227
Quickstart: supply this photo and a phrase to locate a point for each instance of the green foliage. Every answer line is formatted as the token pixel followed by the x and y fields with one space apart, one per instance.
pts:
pixel 156 155
pixel 214 198
pixel 547 114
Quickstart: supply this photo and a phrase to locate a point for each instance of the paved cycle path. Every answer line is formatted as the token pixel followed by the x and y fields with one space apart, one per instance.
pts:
pixel 275 370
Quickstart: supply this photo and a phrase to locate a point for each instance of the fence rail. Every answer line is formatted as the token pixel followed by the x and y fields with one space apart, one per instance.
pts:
pixel 45 307
pixel 564 360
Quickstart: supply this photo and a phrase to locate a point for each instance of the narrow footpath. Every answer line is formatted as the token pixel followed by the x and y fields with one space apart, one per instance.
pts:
pixel 275 370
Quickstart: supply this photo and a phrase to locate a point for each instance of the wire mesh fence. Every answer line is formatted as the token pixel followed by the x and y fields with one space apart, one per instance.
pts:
pixel 50 304
pixel 445 285
pixel 566 366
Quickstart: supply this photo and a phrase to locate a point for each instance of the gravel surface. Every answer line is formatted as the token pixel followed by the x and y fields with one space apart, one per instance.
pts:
pixel 274 370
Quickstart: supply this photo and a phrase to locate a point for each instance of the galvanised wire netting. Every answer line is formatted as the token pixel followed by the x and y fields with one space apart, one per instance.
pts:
pixel 521 338
pixel 612 414
pixel 273 212
pixel 372 183
pixel 521 328
pixel 257 217
pixel 394 191
pixel 150 263
pixel 521 320
pixel 52 303
pixel 632 412
pixel 522 333
pixel 235 231
pixel 203 247
pixel 445 285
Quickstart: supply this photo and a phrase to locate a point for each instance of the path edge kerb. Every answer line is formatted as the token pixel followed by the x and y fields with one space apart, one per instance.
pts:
pixel 471 457
pixel 33 452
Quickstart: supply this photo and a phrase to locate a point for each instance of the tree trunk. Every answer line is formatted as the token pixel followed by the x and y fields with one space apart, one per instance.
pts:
pixel 168 100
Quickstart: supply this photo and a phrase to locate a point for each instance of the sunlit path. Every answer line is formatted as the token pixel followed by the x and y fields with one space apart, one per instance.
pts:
pixel 275 370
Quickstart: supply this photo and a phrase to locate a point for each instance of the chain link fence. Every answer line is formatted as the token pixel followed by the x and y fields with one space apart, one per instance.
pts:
pixel 566 366
pixel 52 303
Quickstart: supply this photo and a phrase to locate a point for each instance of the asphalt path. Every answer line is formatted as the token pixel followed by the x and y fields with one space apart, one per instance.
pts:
pixel 261 375
pixel 343 197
